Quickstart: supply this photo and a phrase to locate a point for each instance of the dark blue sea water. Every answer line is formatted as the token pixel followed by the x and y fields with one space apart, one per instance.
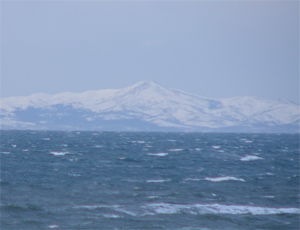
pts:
pixel 112 180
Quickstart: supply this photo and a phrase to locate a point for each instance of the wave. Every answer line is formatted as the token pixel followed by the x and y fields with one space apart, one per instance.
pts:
pixel 158 154
pixel 193 209
pixel 158 181
pixel 112 216
pixel 224 178
pixel 16 208
pixel 176 150
pixel 153 197
pixel 5 152
pixel 46 138
pixel 192 179
pixel 55 153
pixel 250 158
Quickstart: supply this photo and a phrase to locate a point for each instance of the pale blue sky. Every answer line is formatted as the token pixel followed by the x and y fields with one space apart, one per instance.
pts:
pixel 213 49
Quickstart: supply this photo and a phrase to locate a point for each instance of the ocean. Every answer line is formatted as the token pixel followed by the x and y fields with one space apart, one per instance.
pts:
pixel 136 180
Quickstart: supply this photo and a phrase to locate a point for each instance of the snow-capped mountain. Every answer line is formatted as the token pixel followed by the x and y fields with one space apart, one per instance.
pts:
pixel 147 106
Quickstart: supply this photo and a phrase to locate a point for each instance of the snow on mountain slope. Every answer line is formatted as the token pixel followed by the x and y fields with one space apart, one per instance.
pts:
pixel 149 103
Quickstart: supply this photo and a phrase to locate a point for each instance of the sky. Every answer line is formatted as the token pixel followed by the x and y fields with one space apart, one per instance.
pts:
pixel 214 49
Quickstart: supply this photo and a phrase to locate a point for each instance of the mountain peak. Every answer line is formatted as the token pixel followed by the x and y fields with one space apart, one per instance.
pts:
pixel 145 84
pixel 142 86
pixel 147 106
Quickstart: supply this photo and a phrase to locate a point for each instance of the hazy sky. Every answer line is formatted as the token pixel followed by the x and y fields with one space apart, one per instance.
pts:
pixel 213 49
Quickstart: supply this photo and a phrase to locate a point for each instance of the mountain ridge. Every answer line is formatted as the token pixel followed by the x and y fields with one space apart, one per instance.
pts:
pixel 147 106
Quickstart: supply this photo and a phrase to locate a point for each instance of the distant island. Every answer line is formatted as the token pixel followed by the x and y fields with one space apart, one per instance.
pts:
pixel 148 106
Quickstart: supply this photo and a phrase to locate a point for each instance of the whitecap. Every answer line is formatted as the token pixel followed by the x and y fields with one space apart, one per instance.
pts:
pixel 59 153
pixel 194 209
pixel 224 178
pixel 123 210
pixel 117 208
pixel 269 197
pixel 153 197
pixel 158 181
pixel 139 142
pixel 175 150
pixel 240 209
pixel 164 208
pixel 53 226
pixel 158 154
pixel 250 158
pixel 92 207
pixel 5 152
pixel 198 209
pixel 246 140
pixel 192 179
pixel 216 146
pixel 74 174
pixel 112 216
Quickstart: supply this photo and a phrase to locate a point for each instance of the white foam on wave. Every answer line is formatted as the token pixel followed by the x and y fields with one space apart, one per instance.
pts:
pixel 53 226
pixel 250 158
pixel 59 153
pixel 194 209
pixel 92 207
pixel 269 197
pixel 216 146
pixel 175 150
pixel 158 154
pixel 138 142
pixel 153 197
pixel 158 181
pixel 112 216
pixel 224 178
pixel 246 140
pixel 192 179
pixel 74 174
pixel 5 152
pixel 165 208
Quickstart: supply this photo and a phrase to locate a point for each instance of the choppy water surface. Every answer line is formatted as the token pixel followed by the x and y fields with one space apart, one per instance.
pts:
pixel 111 180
